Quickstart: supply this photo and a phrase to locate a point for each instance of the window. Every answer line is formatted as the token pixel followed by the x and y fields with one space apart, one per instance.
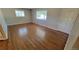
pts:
pixel 42 15
pixel 19 13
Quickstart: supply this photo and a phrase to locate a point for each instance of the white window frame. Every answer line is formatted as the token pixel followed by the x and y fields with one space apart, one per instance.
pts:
pixel 19 13
pixel 42 16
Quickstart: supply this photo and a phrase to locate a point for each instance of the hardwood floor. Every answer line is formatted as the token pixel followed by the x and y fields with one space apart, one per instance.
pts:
pixel 76 45
pixel 33 37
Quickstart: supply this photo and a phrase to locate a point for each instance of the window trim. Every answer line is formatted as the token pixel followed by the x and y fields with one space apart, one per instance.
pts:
pixel 44 16
pixel 19 13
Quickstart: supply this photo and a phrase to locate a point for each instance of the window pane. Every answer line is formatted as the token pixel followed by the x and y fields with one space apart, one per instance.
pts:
pixel 19 13
pixel 42 15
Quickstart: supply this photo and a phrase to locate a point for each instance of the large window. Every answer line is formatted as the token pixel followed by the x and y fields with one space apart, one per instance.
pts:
pixel 19 13
pixel 41 15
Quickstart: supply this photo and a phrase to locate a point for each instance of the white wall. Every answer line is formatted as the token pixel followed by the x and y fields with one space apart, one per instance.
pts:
pixel 3 23
pixel 73 35
pixel 52 17
pixel 67 18
pixel 58 19
pixel 11 19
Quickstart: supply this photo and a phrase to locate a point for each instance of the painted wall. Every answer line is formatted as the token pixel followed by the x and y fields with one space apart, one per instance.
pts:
pixel 58 19
pixel 67 19
pixel 3 23
pixel 11 19
pixel 52 18
pixel 73 35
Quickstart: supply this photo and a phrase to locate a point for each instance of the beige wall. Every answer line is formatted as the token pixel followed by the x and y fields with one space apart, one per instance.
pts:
pixel 58 19
pixel 3 23
pixel 11 19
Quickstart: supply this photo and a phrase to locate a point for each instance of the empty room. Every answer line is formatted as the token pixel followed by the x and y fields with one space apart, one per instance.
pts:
pixel 39 28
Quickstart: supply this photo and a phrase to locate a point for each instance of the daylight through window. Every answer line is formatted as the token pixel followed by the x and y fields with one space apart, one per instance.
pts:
pixel 42 15
pixel 19 13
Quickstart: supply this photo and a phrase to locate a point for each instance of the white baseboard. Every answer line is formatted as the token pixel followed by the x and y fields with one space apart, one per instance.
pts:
pixel 50 27
pixel 18 23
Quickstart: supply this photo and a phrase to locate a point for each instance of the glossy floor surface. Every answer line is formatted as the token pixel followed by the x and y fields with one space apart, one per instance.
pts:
pixel 33 37
pixel 76 45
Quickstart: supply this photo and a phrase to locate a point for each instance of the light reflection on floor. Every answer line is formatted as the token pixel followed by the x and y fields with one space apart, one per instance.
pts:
pixel 23 31
pixel 40 33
